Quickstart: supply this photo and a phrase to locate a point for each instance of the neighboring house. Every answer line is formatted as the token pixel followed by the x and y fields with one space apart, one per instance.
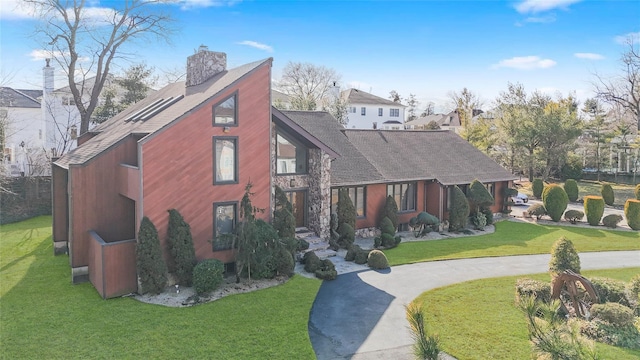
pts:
pixel 450 121
pixel 21 131
pixel 194 146
pixel 280 100
pixel 367 111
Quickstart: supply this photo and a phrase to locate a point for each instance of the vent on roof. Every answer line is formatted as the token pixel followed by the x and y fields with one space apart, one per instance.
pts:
pixel 152 109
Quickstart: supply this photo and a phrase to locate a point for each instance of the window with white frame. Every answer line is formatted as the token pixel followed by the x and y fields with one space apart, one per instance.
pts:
pixel 363 111
pixel 225 155
pixel 380 111
pixel 352 109
pixel 394 112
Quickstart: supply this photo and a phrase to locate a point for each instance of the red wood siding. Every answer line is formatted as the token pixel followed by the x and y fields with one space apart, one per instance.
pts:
pixel 112 266
pixel 129 181
pixel 60 204
pixel 376 198
pixel 433 198
pixel 96 203
pixel 177 163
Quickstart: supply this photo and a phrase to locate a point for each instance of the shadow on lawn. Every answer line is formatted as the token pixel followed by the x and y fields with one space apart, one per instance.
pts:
pixel 343 315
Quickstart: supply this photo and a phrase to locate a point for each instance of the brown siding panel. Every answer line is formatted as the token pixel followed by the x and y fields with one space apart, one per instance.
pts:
pixel 177 164
pixel 60 204
pixel 112 266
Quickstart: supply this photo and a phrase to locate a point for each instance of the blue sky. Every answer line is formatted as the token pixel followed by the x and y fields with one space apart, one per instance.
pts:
pixel 428 48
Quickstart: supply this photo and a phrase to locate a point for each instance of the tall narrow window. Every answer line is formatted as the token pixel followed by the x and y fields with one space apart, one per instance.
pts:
pixel 358 198
pixel 224 223
pixel 225 113
pixel 404 195
pixel 363 111
pixel 225 160
pixel 291 156
pixel 379 111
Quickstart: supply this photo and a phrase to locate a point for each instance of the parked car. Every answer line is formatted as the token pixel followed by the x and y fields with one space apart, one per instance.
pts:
pixel 517 201
pixel 523 197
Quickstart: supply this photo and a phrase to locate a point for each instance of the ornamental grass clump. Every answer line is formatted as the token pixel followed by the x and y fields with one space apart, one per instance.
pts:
pixel 632 213
pixel 593 209
pixel 571 188
pixel 425 346
pixel 555 200
pixel 607 194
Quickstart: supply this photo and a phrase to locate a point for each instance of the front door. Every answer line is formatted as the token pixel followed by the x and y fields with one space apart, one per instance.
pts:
pixel 298 200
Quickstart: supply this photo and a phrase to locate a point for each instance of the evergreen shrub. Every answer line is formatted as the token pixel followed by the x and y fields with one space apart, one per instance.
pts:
pixel 637 192
pixel 390 210
pixel 564 257
pixel 459 211
pixel 593 209
pixel 351 252
pixel 285 262
pixel 347 235
pixel 571 188
pixel 346 211
pixel 607 194
pixel 377 260
pixel 302 245
pixel 208 275
pixel 573 216
pixel 283 220
pixel 555 201
pixel 361 256
pixel 152 270
pixel 478 195
pixel 488 214
pixel 541 291
pixel 611 220
pixel 612 290
pixel 632 213
pixel 180 243
pixel 613 313
pixel 311 262
pixel 537 210
pixel 537 186
pixel 327 270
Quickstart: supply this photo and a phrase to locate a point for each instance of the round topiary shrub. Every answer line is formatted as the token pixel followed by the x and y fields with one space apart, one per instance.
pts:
pixel 351 252
pixel 571 188
pixel 285 262
pixel 607 194
pixel 611 220
pixel 208 275
pixel 637 192
pixel 347 235
pixel 377 260
pixel 537 210
pixel 327 270
pixel 311 262
pixel 555 201
pixel 537 186
pixel 540 291
pixel 632 213
pixel 361 256
pixel 302 245
pixel 613 313
pixel 564 257
pixel 593 209
pixel 573 216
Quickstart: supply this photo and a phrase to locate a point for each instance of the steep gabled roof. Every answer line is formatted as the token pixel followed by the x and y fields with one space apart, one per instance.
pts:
pixel 15 98
pixel 184 101
pixel 450 119
pixel 378 156
pixel 355 96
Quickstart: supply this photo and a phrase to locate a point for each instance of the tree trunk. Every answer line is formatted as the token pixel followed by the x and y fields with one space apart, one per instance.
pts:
pixel 531 165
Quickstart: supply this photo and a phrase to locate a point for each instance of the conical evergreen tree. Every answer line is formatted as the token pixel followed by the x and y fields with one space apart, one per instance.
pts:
pixel 152 270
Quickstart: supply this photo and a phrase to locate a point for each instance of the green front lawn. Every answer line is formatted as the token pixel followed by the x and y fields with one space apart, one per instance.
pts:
pixel 43 316
pixel 513 238
pixel 479 319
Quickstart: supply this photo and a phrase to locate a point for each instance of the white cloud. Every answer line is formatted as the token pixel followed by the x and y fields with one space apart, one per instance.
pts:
pixel 525 63
pixel 535 6
pixel 41 54
pixel 257 45
pixel 15 10
pixel 589 56
pixel 622 39
pixel 199 4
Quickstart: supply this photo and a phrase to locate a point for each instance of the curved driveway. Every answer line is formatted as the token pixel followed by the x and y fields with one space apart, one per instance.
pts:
pixel 360 315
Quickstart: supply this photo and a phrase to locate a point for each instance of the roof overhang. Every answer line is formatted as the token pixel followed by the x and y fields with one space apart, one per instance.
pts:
pixel 283 120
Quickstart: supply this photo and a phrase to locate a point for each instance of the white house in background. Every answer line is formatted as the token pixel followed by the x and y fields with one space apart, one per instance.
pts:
pixel 367 111
pixel 450 121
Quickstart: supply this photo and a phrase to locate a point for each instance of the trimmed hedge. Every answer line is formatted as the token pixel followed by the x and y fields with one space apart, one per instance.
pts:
pixel 564 257
pixel 539 290
pixel 593 209
pixel 613 313
pixel 459 211
pixel 537 186
pixel 632 213
pixel 152 270
pixel 611 220
pixel 615 291
pixel 537 210
pixel 377 260
pixel 607 194
pixel 571 188
pixel 555 200
pixel 637 192
pixel 208 275
pixel 573 216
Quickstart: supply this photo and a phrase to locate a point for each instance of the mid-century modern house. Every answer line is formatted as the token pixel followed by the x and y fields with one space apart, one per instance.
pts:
pixel 194 145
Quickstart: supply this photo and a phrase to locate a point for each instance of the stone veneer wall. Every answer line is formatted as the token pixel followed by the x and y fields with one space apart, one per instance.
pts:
pixel 204 64
pixel 317 183
pixel 370 232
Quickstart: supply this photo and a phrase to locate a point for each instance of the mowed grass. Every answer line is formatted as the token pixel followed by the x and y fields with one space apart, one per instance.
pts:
pixel 44 316
pixel 479 319
pixel 513 238
pixel 621 192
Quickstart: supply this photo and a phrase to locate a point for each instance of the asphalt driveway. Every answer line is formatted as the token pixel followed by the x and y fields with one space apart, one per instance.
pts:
pixel 360 315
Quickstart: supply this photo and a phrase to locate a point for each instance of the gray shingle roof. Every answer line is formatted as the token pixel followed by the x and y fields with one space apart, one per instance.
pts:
pixel 376 156
pixel 116 129
pixel 450 119
pixel 355 96
pixel 10 97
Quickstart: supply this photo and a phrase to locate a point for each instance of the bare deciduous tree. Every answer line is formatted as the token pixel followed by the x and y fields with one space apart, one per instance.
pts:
pixel 85 40
pixel 465 102
pixel 307 85
pixel 412 106
pixel 624 89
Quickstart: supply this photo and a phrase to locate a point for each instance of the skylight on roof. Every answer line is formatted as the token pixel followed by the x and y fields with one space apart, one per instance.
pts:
pixel 153 109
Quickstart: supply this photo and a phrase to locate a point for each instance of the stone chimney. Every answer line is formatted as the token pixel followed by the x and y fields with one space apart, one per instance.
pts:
pixel 203 65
